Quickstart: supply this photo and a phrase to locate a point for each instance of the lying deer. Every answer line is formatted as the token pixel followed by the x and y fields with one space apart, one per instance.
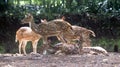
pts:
pixel 51 28
pixel 74 49
pixel 25 34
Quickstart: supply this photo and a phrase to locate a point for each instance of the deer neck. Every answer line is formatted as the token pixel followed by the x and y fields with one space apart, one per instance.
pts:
pixel 33 26
pixel 30 24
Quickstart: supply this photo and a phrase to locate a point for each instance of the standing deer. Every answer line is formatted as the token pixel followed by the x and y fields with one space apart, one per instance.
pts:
pixel 51 28
pixel 80 33
pixel 25 34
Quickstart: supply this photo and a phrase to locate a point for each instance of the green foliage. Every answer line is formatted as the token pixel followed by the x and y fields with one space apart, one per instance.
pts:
pixel 103 18
pixel 51 8
pixel 118 42
pixel 2 50
pixel 4 6
pixel 106 43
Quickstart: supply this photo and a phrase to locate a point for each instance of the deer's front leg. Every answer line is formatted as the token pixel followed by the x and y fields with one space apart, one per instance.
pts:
pixel 61 38
pixel 45 44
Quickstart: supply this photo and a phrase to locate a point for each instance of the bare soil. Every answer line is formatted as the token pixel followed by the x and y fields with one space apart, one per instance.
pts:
pixel 38 60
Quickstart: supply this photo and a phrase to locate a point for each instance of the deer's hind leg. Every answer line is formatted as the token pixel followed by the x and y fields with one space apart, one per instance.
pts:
pixel 20 45
pixel 23 47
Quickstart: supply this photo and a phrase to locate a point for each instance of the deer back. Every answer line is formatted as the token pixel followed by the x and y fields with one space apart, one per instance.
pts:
pixel 26 33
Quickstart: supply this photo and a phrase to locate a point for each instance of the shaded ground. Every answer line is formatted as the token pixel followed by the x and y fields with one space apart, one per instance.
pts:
pixel 31 60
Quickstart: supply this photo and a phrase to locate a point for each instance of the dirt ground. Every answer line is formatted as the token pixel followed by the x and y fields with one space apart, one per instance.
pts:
pixel 38 60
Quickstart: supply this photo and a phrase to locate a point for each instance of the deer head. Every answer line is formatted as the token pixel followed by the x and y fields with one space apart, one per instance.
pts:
pixel 28 18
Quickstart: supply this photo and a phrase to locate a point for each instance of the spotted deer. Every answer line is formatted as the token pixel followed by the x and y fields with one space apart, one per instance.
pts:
pixel 51 28
pixel 63 48
pixel 95 50
pixel 25 34
pixel 80 33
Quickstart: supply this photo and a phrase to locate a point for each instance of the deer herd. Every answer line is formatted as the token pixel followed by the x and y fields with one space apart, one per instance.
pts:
pixel 66 33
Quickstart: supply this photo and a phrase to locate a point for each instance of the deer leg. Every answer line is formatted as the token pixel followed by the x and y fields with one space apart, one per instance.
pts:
pixel 86 40
pixel 34 45
pixel 20 44
pixel 60 37
pixel 89 42
pixel 80 44
pixel 45 43
pixel 23 47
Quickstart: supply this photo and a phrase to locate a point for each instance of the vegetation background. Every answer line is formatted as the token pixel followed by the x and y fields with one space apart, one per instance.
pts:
pixel 101 16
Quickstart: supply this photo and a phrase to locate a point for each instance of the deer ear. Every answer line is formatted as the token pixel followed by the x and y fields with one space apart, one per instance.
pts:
pixel 42 21
pixel 28 14
pixel 25 16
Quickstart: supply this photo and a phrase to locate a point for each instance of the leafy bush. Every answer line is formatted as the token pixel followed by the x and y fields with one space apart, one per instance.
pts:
pixel 100 16
pixel 2 50
pixel 106 43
